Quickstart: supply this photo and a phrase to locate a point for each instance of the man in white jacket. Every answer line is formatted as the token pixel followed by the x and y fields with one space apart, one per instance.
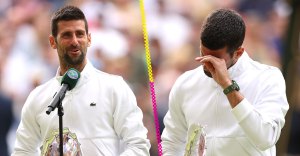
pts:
pixel 101 117
pixel 240 103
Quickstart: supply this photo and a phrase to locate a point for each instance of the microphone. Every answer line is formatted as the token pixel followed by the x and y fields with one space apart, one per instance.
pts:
pixel 68 82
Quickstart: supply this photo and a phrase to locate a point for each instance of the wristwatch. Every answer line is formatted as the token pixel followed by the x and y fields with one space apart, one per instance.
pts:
pixel 232 87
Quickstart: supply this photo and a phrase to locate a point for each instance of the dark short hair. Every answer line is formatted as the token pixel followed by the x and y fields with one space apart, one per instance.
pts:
pixel 223 28
pixel 67 13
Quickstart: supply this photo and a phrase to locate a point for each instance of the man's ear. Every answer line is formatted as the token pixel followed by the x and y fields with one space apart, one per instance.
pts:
pixel 238 53
pixel 52 42
pixel 89 39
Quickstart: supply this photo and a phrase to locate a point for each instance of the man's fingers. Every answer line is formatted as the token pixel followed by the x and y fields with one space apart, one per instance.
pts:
pixel 207 58
pixel 207 61
pixel 202 59
pixel 198 58
pixel 209 66
pixel 210 62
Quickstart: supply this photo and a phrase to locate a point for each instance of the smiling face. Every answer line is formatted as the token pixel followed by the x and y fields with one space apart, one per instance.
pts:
pixel 71 43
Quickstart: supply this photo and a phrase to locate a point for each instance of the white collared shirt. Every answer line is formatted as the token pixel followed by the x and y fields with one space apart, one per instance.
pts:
pixel 251 128
pixel 101 112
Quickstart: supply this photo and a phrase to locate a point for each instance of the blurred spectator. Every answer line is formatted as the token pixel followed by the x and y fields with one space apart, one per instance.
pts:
pixel 6 120
pixel 294 143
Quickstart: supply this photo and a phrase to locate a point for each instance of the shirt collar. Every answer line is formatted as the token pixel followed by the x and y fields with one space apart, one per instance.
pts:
pixel 239 66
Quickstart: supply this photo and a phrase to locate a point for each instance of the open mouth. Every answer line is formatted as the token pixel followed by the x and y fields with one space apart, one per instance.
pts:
pixel 75 51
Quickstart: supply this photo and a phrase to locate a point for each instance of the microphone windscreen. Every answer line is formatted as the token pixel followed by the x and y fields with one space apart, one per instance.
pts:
pixel 71 77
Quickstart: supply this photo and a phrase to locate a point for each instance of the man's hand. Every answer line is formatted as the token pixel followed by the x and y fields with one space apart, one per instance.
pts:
pixel 218 69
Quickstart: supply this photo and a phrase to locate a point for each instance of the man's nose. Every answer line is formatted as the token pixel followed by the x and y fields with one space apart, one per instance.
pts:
pixel 74 40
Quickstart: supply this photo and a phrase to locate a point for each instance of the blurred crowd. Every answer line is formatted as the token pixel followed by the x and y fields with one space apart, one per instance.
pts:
pixel 26 59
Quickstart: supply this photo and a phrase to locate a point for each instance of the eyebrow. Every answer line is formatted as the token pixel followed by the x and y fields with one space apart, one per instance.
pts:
pixel 76 31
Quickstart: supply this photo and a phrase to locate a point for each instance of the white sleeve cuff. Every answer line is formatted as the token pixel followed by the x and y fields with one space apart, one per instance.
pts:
pixel 242 110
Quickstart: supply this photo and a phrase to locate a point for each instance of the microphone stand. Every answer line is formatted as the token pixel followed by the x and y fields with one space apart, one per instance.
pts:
pixel 57 103
pixel 69 81
pixel 60 113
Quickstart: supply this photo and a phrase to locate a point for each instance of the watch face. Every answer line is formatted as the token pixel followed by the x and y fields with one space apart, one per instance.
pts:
pixel 236 86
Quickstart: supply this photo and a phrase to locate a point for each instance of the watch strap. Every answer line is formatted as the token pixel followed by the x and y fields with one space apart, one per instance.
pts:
pixel 232 87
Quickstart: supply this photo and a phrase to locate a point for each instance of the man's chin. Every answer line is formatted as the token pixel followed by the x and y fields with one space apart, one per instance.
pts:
pixel 207 74
pixel 74 60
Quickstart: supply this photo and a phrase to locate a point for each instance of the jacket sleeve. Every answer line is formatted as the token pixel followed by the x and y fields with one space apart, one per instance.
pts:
pixel 128 121
pixel 263 120
pixel 28 133
pixel 175 131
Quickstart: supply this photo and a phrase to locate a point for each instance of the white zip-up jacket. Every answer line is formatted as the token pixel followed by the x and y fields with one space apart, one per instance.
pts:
pixel 252 128
pixel 100 114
